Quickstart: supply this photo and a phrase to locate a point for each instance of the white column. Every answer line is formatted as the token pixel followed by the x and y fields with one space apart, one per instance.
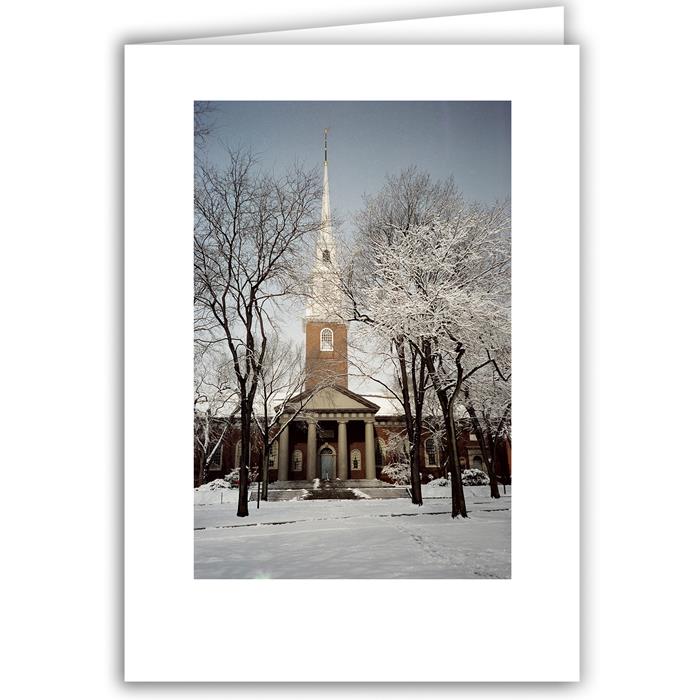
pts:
pixel 283 456
pixel 370 469
pixel 342 449
pixel 311 451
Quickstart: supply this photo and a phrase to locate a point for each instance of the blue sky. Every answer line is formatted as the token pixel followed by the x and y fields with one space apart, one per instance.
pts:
pixel 368 140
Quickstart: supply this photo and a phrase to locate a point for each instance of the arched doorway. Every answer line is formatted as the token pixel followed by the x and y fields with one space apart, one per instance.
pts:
pixel 327 463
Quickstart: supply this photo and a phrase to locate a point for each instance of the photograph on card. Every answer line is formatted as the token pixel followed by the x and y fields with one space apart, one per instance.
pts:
pixel 352 340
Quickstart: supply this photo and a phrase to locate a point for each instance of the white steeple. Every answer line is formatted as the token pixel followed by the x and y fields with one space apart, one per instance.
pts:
pixel 326 202
pixel 326 296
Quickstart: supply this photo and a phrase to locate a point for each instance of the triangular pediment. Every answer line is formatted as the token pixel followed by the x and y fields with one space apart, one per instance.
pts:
pixel 333 398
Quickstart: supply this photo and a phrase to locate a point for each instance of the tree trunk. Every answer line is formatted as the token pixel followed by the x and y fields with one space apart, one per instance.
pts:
pixel 487 454
pixel 491 466
pixel 410 423
pixel 201 469
pixel 415 449
pixel 416 493
pixel 265 473
pixel 493 481
pixel 242 511
pixel 459 506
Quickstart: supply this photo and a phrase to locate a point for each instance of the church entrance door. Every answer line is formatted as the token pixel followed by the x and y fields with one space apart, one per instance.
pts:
pixel 327 464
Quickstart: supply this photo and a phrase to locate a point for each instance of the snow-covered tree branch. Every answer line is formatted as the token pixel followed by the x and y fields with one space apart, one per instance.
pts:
pixel 432 280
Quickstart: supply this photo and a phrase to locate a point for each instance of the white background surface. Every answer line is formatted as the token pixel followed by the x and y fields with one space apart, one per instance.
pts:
pixel 538 609
pixel 61 129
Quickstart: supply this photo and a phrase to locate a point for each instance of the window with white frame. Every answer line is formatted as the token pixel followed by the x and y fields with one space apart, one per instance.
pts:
pixel 326 339
pixel 217 459
pixel 272 457
pixel 356 460
pixel 379 452
pixel 237 457
pixel 297 461
pixel 430 452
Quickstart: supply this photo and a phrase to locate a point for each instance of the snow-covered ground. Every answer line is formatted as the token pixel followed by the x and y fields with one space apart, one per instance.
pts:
pixel 367 538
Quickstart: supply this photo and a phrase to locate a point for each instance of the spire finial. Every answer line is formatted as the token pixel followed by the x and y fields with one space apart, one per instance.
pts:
pixel 325 145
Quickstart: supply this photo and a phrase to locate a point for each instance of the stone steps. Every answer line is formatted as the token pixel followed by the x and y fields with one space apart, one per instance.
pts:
pixel 285 495
pixel 331 490
pixel 344 484
pixel 330 493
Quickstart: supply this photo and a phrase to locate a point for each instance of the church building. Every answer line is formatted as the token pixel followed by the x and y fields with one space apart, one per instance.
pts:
pixel 337 436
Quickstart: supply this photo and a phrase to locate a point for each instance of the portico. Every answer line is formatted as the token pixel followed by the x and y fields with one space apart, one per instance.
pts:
pixel 332 437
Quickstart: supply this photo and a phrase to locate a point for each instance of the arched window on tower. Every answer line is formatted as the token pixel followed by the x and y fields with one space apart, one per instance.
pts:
pixel 326 255
pixel 326 339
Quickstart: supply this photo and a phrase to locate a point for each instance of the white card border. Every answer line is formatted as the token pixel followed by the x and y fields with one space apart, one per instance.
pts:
pixel 526 628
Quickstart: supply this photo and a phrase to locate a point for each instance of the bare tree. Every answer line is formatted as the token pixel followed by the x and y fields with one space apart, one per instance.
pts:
pixel 411 198
pixel 215 405
pixel 249 232
pixel 281 398
pixel 203 122
pixel 487 399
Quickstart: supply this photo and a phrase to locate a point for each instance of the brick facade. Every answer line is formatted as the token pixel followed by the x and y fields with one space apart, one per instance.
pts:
pixel 385 428
pixel 326 365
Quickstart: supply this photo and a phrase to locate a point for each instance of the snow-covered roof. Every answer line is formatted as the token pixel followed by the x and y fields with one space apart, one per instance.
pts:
pixel 388 405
